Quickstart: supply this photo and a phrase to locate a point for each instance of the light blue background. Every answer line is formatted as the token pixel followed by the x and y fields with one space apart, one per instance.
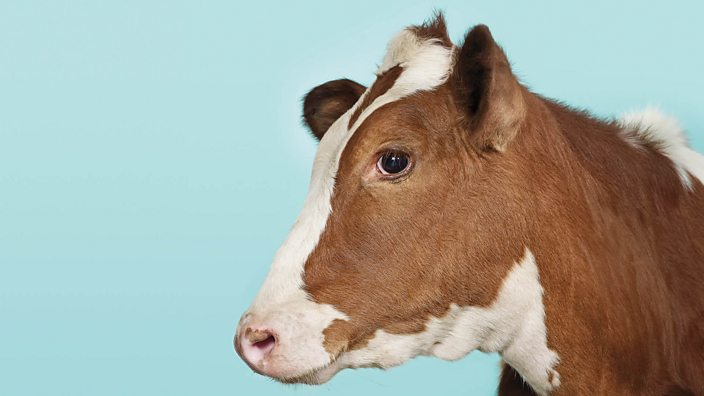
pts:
pixel 152 160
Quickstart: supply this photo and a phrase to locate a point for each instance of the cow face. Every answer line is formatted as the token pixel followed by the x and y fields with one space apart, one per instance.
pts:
pixel 413 221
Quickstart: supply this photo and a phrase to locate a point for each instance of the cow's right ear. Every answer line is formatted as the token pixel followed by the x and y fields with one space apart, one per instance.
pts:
pixel 488 92
pixel 325 103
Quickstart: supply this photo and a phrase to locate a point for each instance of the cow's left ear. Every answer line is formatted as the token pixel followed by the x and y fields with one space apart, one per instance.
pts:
pixel 325 103
pixel 490 95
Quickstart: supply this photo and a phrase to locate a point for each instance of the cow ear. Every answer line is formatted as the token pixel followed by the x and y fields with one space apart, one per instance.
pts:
pixel 490 95
pixel 325 103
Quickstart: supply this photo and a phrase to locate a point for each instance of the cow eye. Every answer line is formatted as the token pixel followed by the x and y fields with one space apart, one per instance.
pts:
pixel 393 162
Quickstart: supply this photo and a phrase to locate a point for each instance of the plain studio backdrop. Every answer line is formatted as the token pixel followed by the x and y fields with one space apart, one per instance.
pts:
pixel 152 160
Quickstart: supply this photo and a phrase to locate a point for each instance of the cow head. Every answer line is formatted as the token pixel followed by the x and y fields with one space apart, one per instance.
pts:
pixel 414 219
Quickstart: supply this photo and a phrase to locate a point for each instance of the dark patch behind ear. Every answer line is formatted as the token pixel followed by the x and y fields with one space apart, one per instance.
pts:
pixel 324 104
pixel 487 90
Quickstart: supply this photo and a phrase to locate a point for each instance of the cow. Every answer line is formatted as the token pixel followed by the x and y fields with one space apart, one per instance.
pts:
pixel 451 209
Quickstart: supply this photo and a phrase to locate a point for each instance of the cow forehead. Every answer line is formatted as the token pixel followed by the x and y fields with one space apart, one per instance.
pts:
pixel 425 64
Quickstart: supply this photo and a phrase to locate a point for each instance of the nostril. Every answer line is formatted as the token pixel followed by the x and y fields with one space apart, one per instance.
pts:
pixel 257 344
pixel 258 335
pixel 265 344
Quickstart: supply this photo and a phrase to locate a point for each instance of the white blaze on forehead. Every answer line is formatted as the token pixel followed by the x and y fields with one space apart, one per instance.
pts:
pixel 401 48
pixel 514 326
pixel 426 65
pixel 651 125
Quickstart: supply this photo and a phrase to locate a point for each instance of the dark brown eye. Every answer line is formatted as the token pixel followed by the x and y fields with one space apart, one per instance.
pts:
pixel 393 162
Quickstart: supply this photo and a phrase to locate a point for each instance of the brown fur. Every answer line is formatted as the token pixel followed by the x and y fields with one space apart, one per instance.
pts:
pixel 325 103
pixel 434 28
pixel 618 240
pixel 383 83
pixel 511 383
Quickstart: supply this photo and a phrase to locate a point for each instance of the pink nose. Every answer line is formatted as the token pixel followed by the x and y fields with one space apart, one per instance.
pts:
pixel 254 345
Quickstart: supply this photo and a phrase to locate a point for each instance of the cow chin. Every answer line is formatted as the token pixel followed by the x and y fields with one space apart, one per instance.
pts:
pixel 313 377
pixel 345 361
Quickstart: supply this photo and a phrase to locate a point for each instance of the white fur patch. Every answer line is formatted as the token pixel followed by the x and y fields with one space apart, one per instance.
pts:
pixel 514 326
pixel 281 303
pixel 401 48
pixel 665 132
pixel 426 65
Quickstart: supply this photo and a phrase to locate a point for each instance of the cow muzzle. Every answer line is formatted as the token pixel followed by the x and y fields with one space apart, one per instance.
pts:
pixel 286 344
pixel 256 343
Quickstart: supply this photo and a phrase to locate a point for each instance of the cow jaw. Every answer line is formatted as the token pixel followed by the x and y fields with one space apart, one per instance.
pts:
pixel 513 325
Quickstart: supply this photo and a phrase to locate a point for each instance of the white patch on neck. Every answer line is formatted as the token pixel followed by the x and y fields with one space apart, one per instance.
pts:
pixel 514 326
pixel 425 66
pixel 652 126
